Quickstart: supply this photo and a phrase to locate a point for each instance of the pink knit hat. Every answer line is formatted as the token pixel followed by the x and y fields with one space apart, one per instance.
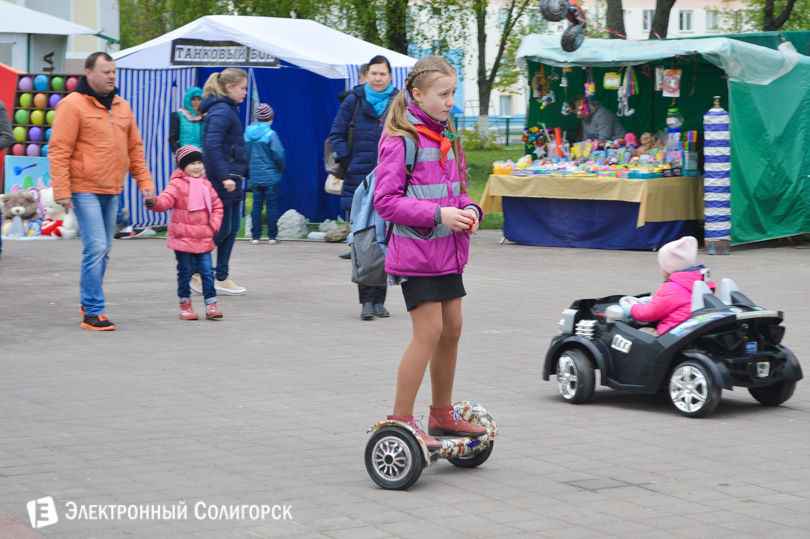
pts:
pixel 187 154
pixel 678 255
pixel 264 112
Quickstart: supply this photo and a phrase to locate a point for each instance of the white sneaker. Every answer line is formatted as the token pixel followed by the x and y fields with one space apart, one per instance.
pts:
pixel 127 231
pixel 254 242
pixel 196 283
pixel 229 288
pixel 272 242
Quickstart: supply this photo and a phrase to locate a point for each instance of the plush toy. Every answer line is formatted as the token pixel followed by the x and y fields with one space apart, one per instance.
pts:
pixel 58 222
pixel 22 203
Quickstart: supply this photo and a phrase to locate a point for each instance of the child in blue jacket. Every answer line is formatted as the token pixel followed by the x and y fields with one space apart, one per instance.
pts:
pixel 266 165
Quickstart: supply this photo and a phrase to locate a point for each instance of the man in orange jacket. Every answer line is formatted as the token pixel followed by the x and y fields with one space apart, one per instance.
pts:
pixel 94 142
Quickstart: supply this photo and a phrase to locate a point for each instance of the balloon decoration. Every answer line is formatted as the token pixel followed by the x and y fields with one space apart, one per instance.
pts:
pixel 36 98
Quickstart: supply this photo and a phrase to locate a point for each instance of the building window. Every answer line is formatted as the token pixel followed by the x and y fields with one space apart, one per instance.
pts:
pixel 647 19
pixel 686 20
pixel 712 21
pixel 506 106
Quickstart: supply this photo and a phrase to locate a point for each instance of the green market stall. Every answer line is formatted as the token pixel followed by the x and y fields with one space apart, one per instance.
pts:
pixel 766 91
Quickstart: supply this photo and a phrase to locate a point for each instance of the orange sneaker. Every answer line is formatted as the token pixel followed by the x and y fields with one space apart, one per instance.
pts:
pixel 446 421
pixel 98 323
pixel 186 312
pixel 415 424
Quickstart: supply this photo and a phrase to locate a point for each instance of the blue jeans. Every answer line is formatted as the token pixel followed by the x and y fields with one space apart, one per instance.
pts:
pixel 265 195
pixel 120 220
pixel 187 265
pixel 96 215
pixel 224 240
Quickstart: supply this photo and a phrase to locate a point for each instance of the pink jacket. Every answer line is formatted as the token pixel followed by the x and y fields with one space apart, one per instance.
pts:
pixel 189 231
pixel 417 248
pixel 672 304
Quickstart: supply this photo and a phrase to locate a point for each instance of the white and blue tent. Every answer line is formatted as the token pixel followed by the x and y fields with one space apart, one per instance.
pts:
pixel 298 66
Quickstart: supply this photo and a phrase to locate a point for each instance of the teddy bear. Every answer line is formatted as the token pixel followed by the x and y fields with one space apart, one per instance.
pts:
pixel 57 221
pixel 22 203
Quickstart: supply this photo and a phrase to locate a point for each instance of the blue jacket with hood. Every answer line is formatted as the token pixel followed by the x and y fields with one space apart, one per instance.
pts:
pixel 265 154
pixel 367 130
pixel 223 147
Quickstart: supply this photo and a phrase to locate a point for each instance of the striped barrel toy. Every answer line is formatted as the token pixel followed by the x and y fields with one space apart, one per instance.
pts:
pixel 716 182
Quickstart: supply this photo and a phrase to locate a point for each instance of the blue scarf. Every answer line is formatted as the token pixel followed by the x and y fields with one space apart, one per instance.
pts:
pixel 378 100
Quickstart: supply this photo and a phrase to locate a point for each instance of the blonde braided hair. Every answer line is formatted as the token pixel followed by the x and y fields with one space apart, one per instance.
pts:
pixel 397 124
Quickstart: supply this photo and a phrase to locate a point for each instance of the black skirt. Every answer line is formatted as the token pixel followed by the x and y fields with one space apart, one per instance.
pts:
pixel 418 290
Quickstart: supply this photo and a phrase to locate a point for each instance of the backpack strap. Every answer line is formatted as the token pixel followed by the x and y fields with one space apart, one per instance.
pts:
pixel 410 163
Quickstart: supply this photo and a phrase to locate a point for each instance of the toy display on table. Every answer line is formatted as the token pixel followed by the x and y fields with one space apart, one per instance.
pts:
pixel 632 157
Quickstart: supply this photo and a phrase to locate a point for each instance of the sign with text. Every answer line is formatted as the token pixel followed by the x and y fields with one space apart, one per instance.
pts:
pixel 198 52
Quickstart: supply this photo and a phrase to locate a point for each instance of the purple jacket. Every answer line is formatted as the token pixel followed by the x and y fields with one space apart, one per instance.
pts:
pixel 417 248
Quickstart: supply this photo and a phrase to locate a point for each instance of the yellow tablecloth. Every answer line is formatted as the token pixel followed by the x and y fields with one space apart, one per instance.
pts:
pixel 678 198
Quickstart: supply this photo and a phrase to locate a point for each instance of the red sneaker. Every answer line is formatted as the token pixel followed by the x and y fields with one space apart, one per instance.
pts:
pixel 186 312
pixel 415 424
pixel 446 421
pixel 212 312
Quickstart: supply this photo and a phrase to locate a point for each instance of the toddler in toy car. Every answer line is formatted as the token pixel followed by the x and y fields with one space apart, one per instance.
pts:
pixel 672 303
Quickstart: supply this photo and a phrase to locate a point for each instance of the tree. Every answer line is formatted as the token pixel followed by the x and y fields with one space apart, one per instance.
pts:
pixel 753 17
pixel 615 19
pixel 660 24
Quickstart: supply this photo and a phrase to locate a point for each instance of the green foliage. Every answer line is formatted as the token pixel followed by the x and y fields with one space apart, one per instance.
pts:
pixel 474 140
pixel 479 165
pixel 752 17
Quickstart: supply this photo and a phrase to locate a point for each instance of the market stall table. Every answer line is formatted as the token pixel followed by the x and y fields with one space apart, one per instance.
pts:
pixel 599 213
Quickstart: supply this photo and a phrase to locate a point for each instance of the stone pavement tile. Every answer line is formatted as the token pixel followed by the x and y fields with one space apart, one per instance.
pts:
pixel 358 533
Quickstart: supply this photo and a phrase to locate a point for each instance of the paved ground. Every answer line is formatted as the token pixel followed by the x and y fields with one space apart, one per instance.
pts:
pixel 270 406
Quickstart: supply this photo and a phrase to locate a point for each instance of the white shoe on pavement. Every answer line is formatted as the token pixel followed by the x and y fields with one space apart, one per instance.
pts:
pixel 272 242
pixel 254 242
pixel 229 288
pixel 196 283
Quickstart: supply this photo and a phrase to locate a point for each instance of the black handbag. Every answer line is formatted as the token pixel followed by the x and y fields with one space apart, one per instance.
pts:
pixel 332 165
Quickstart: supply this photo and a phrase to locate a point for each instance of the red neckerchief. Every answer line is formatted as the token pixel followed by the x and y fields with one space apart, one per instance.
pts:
pixel 444 142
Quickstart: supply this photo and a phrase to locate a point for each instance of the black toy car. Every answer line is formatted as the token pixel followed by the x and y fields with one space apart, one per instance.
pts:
pixel 728 341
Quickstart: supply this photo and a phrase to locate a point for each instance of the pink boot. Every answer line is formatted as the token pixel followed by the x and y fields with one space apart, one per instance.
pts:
pixel 186 312
pixel 432 445
pixel 446 421
pixel 212 312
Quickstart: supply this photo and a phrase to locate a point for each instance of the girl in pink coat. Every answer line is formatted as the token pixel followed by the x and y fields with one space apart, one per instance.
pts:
pixel 430 240
pixel 196 218
pixel 672 303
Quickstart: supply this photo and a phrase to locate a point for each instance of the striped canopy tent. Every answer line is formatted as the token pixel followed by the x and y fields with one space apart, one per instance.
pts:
pixel 757 162
pixel 298 66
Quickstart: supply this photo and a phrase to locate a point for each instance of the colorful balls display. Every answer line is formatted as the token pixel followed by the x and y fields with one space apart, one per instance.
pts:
pixel 32 150
pixel 26 84
pixel 45 150
pixel 37 117
pixel 41 83
pixel 25 100
pixel 54 100
pixel 70 84
pixel 21 117
pixel 48 133
pixel 57 83
pixel 40 100
pixel 49 116
pixel 34 134
pixel 17 149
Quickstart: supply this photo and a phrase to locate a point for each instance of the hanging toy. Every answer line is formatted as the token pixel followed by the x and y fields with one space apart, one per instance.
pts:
pixel 565 108
pixel 590 90
pixel 629 87
pixel 547 100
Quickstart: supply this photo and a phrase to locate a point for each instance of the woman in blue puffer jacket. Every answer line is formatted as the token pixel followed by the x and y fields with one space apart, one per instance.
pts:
pixel 371 101
pixel 225 163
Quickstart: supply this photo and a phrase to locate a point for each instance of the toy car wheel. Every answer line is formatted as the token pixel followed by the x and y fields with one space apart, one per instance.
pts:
pixel 575 376
pixel 572 38
pixel 692 390
pixel 775 394
pixel 473 461
pixel 394 459
pixel 553 10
